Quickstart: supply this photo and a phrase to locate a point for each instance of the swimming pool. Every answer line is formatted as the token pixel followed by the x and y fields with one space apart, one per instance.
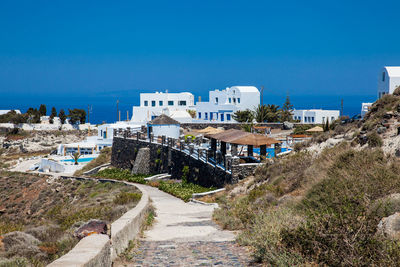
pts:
pixel 270 151
pixel 80 160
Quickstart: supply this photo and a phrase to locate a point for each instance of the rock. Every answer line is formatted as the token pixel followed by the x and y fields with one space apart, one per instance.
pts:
pixel 362 139
pixel 390 226
pixel 397 152
pixel 142 162
pixel 381 130
pixel 287 125
pixel 91 227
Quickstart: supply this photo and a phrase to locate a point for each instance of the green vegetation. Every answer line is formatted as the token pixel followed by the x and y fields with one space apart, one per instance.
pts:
pixel 123 175
pixel 182 190
pixel 126 197
pixel 77 116
pixel 243 116
pixel 62 116
pixel 324 210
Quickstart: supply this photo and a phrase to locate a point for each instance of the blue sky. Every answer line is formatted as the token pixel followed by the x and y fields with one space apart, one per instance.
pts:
pixel 117 49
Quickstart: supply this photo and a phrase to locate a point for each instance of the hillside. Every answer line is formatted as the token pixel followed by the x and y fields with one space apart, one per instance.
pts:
pixel 323 204
pixel 40 214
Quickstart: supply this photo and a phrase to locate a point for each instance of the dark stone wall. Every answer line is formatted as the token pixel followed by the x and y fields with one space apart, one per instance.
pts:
pixel 165 159
pixel 124 152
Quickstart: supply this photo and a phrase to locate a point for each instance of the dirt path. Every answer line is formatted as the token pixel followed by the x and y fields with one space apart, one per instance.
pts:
pixel 184 235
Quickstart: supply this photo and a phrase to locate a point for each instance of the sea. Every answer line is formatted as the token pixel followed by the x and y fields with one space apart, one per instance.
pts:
pixel 104 109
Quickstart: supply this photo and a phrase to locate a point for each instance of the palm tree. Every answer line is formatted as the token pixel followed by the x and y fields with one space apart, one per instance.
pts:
pixel 261 113
pixel 272 113
pixel 75 157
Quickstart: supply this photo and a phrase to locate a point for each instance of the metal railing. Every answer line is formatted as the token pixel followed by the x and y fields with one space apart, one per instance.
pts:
pixel 193 148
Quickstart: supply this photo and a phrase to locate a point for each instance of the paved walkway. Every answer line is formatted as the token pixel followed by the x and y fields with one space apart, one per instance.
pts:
pixel 183 234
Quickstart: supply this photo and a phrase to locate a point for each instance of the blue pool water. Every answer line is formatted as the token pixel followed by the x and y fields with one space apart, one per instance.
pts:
pixel 270 151
pixel 79 160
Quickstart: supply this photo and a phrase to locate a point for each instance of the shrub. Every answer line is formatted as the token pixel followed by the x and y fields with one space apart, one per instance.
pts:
pixel 182 190
pixel 126 197
pixel 374 140
pixel 120 174
pixel 340 228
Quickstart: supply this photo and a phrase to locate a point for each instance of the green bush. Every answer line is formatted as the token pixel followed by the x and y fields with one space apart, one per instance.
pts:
pixel 126 197
pixel 182 190
pixel 120 174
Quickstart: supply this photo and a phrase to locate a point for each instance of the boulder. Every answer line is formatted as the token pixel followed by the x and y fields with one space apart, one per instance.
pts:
pixel 362 139
pixel 390 226
pixel 287 125
pixel 381 130
pixel 91 227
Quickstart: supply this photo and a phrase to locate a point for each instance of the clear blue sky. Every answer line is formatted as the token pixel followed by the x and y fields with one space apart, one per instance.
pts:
pixel 120 48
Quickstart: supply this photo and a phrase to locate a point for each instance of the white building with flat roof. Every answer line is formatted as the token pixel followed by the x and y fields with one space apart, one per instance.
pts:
pixel 388 80
pixel 317 116
pixel 365 107
pixel 155 104
pixel 222 104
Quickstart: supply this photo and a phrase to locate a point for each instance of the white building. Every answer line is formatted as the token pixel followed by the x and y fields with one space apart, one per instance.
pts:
pixel 365 107
pixel 93 144
pixel 164 126
pixel 317 116
pixel 155 104
pixel 223 104
pixel 388 80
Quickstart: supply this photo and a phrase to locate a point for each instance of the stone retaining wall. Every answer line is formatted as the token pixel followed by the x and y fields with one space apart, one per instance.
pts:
pixel 100 250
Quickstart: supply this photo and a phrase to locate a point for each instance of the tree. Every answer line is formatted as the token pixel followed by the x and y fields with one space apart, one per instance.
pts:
pixel 243 116
pixel 75 157
pixel 272 113
pixel 77 116
pixel 261 113
pixel 53 114
pixel 42 110
pixel 62 116
pixel 33 115
pixel 326 126
pixel 287 111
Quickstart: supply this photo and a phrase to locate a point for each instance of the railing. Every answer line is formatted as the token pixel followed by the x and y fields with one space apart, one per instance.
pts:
pixel 192 148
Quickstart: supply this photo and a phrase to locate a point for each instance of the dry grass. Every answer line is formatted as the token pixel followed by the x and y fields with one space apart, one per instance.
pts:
pixel 51 212
pixel 103 158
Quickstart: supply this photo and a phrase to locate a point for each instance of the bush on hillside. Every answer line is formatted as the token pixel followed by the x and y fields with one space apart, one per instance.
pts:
pixel 340 226
pixel 374 140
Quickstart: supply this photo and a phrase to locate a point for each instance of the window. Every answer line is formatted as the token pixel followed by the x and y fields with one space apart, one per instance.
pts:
pixel 230 100
pixel 153 103
pixel 383 76
pixel 228 117
pixel 146 103
pixel 199 115
pixel 222 116
pixel 170 103
pixel 160 103
pixel 323 119
pixel 182 103
pixel 216 100
pixel 332 118
pixel 312 119
pixel 205 115
pixel 234 100
pixel 238 100
pixel 211 116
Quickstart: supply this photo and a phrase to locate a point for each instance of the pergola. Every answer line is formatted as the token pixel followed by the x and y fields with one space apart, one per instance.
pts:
pixel 237 137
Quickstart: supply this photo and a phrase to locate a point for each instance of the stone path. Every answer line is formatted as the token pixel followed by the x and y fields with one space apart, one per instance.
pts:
pixel 183 234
